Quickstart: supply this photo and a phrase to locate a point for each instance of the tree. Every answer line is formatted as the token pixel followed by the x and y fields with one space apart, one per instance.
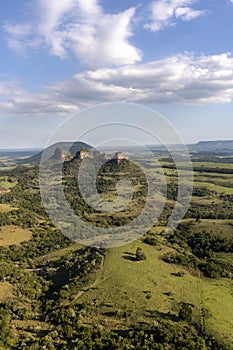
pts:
pixel 5 332
pixel 186 311
pixel 140 254
pixel 151 240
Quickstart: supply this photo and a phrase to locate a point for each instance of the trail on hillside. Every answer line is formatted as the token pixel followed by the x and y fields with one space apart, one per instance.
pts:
pixel 99 279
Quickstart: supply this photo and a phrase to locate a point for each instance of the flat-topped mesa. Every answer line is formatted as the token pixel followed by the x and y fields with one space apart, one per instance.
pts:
pixel 94 154
pixel 89 153
pixel 119 156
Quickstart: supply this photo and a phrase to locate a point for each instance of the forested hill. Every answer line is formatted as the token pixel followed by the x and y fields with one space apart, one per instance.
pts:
pixel 72 147
pixel 225 146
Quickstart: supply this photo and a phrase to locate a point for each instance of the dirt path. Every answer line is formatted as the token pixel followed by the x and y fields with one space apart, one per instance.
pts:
pixel 99 279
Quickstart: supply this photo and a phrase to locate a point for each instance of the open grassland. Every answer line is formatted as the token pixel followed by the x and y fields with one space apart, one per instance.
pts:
pixel 6 182
pixel 157 229
pixel 143 291
pixel 203 201
pixel 7 167
pixel 11 234
pixel 217 227
pixel 6 291
pixel 213 187
pixel 214 175
pixel 5 208
pixel 217 298
pixel 226 180
pixel 202 164
pixel 212 165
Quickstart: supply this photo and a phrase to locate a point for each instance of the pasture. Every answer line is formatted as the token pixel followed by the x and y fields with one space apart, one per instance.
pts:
pixel 11 234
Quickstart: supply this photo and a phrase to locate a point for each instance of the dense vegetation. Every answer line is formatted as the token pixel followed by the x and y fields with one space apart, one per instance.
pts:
pixel 198 252
pixel 108 176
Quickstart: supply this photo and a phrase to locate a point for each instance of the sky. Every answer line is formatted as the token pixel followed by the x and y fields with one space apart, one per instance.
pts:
pixel 60 57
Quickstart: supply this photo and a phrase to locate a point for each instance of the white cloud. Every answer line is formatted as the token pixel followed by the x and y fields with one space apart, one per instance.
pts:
pixel 18 30
pixel 183 79
pixel 21 36
pixel 187 13
pixel 15 100
pixel 9 88
pixel 81 27
pixel 165 13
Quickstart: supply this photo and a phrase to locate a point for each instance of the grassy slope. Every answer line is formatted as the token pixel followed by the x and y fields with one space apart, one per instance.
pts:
pixel 5 208
pixel 123 284
pixel 56 255
pixel 217 296
pixel 6 291
pixel 217 227
pixel 11 234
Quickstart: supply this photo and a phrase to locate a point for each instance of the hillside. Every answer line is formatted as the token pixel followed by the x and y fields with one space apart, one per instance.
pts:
pixel 216 144
pixel 72 147
pixel 216 147
pixel 150 290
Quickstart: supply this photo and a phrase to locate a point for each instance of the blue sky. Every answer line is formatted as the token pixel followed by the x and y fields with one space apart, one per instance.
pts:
pixel 59 57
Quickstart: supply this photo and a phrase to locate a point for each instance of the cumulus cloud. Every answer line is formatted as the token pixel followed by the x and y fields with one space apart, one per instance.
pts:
pixel 165 13
pixel 15 100
pixel 177 79
pixel 180 78
pixel 82 27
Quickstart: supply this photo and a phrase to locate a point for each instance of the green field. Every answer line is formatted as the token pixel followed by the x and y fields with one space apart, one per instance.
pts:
pixel 212 165
pixel 123 284
pixel 223 228
pixel 217 297
pixel 213 187
pixel 215 179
